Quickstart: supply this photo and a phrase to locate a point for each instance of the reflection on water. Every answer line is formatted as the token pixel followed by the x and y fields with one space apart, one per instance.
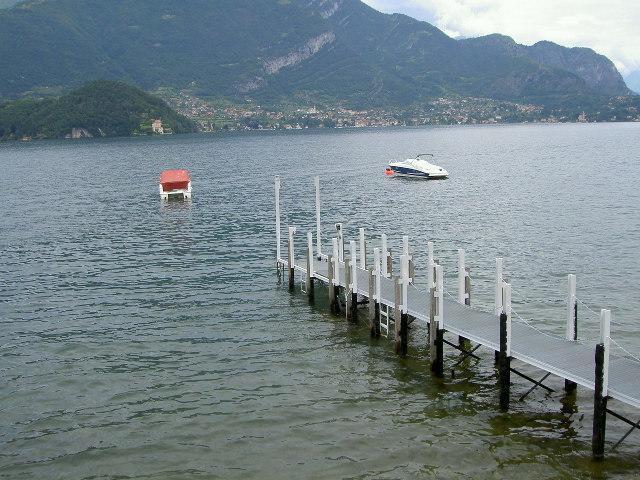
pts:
pixel 151 340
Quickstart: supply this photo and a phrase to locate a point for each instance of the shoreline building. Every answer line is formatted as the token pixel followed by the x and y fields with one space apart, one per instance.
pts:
pixel 156 126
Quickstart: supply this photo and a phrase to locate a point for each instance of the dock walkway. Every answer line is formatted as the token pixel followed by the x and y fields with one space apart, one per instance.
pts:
pixel 571 360
pixel 396 299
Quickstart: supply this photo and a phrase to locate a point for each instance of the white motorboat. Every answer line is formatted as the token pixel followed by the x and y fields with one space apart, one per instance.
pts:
pixel 416 167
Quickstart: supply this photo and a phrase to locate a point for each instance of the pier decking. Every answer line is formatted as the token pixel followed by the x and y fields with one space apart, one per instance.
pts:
pixel 397 299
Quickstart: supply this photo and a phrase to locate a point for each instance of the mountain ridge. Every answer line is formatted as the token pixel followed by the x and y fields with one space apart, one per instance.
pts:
pixel 276 51
pixel 633 81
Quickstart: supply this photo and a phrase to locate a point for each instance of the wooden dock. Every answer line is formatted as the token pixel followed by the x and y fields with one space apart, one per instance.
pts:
pixel 394 301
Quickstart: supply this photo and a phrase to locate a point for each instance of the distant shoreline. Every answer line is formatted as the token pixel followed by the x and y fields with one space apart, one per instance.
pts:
pixel 308 129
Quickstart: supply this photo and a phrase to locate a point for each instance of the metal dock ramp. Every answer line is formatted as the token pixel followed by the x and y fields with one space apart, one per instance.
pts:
pixel 590 365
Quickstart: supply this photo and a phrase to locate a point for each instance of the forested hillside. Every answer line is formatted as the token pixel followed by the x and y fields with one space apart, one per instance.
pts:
pixel 102 108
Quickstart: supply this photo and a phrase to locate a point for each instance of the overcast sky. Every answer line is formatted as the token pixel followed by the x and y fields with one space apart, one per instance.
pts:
pixel 610 27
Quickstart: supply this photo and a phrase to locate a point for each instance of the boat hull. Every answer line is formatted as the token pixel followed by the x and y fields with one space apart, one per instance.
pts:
pixel 408 172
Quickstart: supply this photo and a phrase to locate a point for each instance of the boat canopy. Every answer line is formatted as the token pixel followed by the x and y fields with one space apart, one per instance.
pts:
pixel 174 179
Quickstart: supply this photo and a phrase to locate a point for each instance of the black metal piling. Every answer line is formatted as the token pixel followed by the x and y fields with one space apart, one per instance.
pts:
pixel 599 407
pixel 310 279
pixel 401 321
pixel 504 365
pixel 436 339
pixel 291 264
pixel 347 290
pixel 334 306
pixel 570 386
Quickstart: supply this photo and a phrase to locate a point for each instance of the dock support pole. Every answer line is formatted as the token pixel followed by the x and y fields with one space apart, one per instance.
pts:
pixel 354 281
pixel 318 226
pixel 363 250
pixel 377 262
pixel 404 330
pixel 437 359
pixel 340 232
pixel 402 326
pixel 278 187
pixel 348 290
pixel 310 267
pixel 336 267
pixel 467 287
pixel 504 362
pixel 411 271
pixel 400 320
pixel 385 253
pixel 462 290
pixel 600 396
pixel 572 324
pixel 498 286
pixel 333 293
pixel 292 261
pixel 498 295
pixel 431 288
pixel 374 306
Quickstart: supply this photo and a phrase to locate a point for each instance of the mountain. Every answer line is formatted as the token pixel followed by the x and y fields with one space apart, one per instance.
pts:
pixel 596 71
pixel 283 51
pixel 633 81
pixel 100 108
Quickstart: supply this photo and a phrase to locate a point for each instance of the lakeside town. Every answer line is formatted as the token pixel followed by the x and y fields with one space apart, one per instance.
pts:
pixel 217 115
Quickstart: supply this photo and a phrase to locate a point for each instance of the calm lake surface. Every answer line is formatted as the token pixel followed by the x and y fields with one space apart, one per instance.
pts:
pixel 148 341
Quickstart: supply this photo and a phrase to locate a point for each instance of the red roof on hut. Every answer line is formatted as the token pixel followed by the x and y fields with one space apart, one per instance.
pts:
pixel 174 179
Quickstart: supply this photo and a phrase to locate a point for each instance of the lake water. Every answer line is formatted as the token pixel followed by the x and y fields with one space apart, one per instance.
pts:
pixel 148 341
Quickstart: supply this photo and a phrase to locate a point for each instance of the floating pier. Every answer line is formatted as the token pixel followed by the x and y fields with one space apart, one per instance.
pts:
pixel 394 302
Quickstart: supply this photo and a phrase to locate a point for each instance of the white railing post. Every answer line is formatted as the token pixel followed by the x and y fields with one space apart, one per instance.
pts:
pixel 340 241
pixel 385 255
pixel 431 268
pixel 310 254
pixel 354 267
pixel 278 186
pixel 506 308
pixel 336 262
pixel 407 253
pixel 605 339
pixel 292 231
pixel 377 272
pixel 462 274
pixel 318 225
pixel 498 287
pixel 363 250
pixel 571 305
pixel 404 275
pixel 440 296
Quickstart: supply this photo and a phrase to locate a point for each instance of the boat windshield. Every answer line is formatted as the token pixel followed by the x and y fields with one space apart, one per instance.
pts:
pixel 418 161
